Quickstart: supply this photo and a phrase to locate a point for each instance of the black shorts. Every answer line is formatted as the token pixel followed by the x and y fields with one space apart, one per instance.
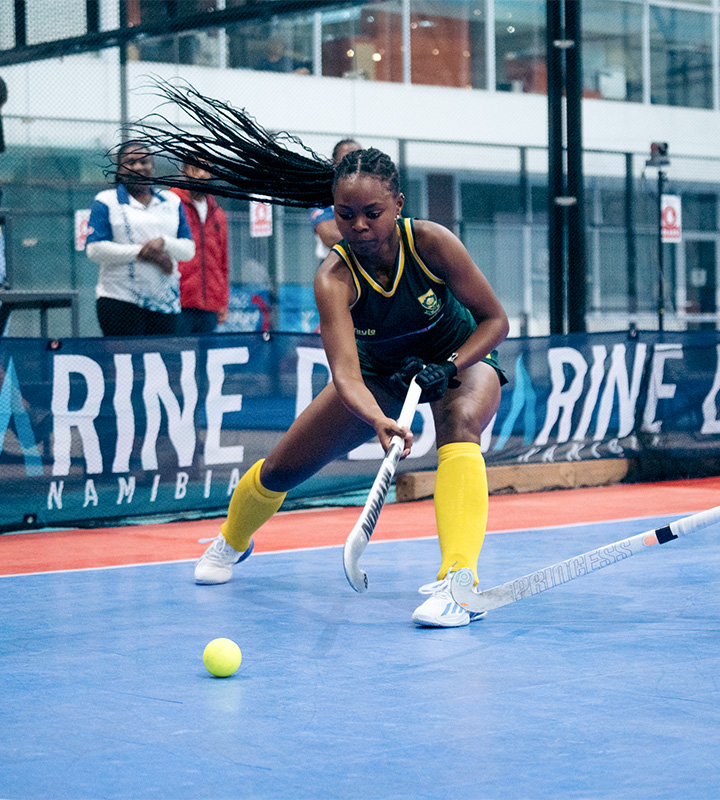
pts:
pixel 372 378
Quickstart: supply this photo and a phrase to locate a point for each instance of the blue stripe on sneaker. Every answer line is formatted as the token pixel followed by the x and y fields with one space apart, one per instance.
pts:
pixel 451 608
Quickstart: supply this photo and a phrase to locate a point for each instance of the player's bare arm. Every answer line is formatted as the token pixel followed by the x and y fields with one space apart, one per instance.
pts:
pixel 445 255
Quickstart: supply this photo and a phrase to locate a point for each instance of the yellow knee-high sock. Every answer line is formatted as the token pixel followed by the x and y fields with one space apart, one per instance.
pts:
pixel 251 506
pixel 461 505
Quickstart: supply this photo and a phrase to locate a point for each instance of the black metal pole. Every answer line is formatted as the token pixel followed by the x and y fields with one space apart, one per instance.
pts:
pixel 20 23
pixel 661 266
pixel 123 88
pixel 556 172
pixel 403 172
pixel 576 244
pixel 630 235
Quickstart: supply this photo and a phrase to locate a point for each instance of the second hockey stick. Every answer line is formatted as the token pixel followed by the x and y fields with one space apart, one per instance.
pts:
pixel 541 580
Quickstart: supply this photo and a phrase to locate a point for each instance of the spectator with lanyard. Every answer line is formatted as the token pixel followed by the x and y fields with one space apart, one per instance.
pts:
pixel 137 235
pixel 394 295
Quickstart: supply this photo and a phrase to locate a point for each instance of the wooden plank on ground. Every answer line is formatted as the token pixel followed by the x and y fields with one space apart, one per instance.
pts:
pixel 519 478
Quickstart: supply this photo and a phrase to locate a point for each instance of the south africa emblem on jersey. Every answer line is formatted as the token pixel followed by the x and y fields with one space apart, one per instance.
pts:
pixel 430 303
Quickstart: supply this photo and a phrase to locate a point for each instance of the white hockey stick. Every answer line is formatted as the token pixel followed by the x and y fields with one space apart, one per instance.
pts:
pixel 360 535
pixel 541 580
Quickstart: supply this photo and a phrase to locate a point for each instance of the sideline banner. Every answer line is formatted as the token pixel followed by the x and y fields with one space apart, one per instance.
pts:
pixel 92 430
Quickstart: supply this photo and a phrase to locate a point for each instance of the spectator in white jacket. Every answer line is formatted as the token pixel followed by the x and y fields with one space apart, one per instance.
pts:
pixel 137 235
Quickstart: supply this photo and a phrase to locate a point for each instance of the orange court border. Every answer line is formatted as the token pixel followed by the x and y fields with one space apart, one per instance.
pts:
pixel 82 548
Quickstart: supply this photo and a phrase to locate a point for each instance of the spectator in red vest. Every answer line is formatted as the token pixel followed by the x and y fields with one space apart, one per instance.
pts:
pixel 204 279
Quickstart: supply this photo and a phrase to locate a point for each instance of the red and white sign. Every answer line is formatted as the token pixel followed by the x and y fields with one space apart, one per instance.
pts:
pixel 671 221
pixel 82 218
pixel 261 223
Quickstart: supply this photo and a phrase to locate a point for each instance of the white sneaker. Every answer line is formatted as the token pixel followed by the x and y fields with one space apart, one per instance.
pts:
pixel 216 563
pixel 440 610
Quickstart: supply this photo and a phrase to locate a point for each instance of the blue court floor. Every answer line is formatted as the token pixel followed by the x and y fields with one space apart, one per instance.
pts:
pixel 607 687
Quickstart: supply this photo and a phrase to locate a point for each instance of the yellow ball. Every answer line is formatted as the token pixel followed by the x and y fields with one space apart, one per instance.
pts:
pixel 222 657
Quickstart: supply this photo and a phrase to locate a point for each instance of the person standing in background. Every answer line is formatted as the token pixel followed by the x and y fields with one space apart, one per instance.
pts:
pixel 276 59
pixel 137 235
pixel 203 279
pixel 323 219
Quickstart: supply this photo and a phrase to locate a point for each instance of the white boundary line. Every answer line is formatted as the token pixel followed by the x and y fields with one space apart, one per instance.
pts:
pixel 330 546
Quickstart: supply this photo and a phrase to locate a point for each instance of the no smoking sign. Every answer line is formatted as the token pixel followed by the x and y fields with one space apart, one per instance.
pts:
pixel 671 218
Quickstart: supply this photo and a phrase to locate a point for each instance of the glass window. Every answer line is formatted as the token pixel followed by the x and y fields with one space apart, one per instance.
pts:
pixel 612 207
pixel 278 45
pixel 249 255
pixel 699 211
pixel 447 43
pixel 413 191
pixel 681 57
pixel 49 20
pixel 540 278
pixel 7 26
pixel 646 211
pixel 192 47
pixel 539 199
pixel 363 42
pixel 646 249
pixel 701 280
pixel 299 240
pixel 613 271
pixel 491 202
pixel 612 50
pixel 520 46
pixel 498 251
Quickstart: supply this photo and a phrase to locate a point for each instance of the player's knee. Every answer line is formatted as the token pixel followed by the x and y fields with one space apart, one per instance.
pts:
pixel 460 424
pixel 271 477
pixel 279 477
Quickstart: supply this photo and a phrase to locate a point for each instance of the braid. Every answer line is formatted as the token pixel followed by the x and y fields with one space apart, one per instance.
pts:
pixel 369 162
pixel 245 161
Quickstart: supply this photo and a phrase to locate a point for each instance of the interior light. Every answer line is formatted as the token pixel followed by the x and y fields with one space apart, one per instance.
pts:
pixel 377 57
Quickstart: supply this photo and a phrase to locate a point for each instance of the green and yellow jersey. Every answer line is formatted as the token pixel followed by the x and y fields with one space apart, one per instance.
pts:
pixel 417 316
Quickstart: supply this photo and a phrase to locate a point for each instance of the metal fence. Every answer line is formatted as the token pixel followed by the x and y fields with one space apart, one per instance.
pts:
pixel 493 195
pixel 496 203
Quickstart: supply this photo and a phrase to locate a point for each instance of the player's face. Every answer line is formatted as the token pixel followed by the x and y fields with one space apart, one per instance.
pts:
pixel 366 211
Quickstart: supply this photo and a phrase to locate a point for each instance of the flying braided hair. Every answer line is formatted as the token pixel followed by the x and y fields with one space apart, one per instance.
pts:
pixel 246 161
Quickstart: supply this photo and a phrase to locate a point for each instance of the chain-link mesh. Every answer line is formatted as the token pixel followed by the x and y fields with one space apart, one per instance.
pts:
pixel 64 114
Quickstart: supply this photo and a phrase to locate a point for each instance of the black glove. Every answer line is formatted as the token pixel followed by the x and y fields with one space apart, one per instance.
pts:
pixel 409 368
pixel 436 379
pixel 433 379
